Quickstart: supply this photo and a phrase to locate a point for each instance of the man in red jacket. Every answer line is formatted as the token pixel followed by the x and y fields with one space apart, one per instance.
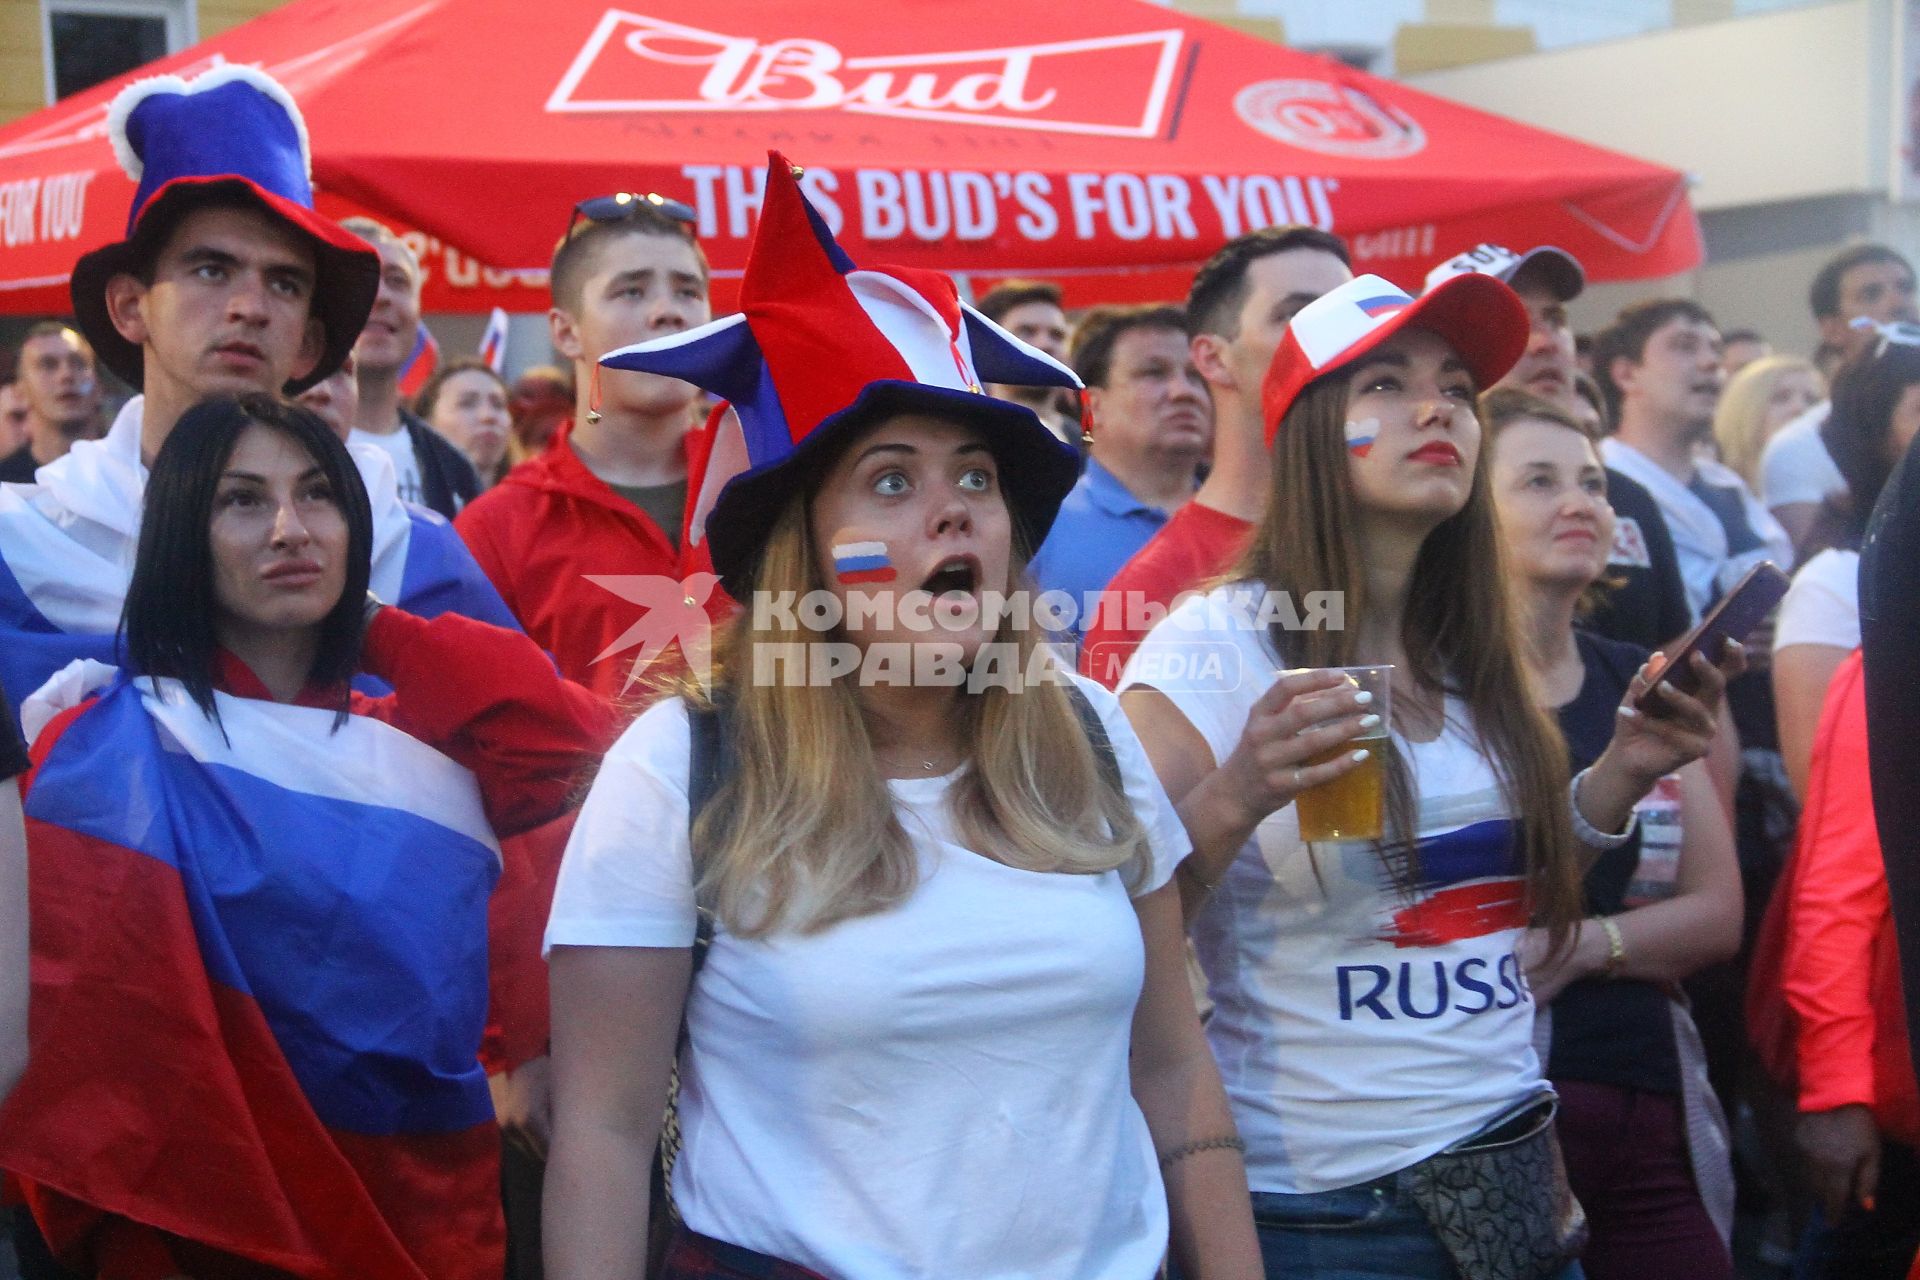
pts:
pixel 578 538
pixel 1238 309
pixel 583 541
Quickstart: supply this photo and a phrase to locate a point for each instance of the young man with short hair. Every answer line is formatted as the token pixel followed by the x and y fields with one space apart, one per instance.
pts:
pixel 428 468
pixel 57 383
pixel 1030 310
pixel 1866 282
pixel 606 499
pixel 1643 601
pixel 1237 311
pixel 1152 428
pixel 1659 366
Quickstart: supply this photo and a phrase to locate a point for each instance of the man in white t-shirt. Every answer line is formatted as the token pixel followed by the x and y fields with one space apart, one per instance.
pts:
pixel 1796 472
pixel 430 470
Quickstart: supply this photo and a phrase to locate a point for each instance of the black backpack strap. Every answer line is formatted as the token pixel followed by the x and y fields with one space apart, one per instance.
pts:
pixel 708 760
pixel 1097 736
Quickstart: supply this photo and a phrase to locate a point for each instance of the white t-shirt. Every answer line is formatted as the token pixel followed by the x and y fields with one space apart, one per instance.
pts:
pixel 398 446
pixel 1795 465
pixel 937 1090
pixel 1823 604
pixel 1358 1031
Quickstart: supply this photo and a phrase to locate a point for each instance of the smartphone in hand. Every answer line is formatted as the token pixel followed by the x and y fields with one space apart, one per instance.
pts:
pixel 1733 619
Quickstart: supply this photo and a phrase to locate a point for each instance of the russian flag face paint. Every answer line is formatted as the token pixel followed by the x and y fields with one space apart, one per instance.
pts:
pixel 1361 435
pixel 864 561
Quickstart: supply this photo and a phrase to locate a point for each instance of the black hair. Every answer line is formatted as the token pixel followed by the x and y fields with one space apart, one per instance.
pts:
pixel 1824 296
pixel 168 628
pixel 1219 288
pixel 579 249
pixel 1101 329
pixel 1865 394
pixel 1626 338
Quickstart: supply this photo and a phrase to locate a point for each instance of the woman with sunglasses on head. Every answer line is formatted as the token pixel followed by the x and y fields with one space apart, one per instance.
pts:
pixel 942 1026
pixel 1646 1146
pixel 1371 1016
pixel 260 899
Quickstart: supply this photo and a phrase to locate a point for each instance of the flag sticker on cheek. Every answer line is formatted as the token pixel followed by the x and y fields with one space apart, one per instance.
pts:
pixel 863 561
pixel 1360 437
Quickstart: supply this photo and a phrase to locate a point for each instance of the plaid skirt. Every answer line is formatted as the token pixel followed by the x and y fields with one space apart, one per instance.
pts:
pixel 692 1256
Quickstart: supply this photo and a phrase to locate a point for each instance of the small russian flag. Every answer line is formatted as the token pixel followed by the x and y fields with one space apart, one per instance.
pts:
pixel 1383 303
pixel 421 363
pixel 493 343
pixel 862 562
pixel 1360 437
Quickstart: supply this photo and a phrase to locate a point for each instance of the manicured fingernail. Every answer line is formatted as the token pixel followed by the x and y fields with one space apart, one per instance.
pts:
pixel 1359 757
pixel 1629 713
pixel 1362 698
pixel 1369 720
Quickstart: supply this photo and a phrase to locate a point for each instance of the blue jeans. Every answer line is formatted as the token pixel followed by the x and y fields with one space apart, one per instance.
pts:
pixel 1373 1231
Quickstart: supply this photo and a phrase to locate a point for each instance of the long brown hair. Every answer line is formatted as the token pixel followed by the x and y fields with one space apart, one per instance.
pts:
pixel 1458 631
pixel 802 834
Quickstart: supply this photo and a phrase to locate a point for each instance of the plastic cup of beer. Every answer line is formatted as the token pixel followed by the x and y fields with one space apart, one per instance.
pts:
pixel 1353 805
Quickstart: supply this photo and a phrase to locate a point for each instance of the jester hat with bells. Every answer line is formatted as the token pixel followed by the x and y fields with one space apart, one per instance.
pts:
pixel 821 349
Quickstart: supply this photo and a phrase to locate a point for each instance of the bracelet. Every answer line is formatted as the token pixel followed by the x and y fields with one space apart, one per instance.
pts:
pixel 1616 947
pixel 1585 832
pixel 1230 1142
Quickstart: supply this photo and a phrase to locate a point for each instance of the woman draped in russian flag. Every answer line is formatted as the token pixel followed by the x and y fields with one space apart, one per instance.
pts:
pixel 259 899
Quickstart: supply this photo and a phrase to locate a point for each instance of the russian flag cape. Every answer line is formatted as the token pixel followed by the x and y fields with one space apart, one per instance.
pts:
pixel 259 983
pixel 67 546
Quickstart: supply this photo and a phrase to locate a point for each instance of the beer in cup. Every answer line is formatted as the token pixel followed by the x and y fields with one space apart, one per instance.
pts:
pixel 1353 805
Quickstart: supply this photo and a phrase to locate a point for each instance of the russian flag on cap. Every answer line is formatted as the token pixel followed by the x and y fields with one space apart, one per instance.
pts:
pixel 1326 328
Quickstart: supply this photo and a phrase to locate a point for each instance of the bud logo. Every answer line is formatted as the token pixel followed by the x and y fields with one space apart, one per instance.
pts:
pixel 1335 120
pixel 1073 86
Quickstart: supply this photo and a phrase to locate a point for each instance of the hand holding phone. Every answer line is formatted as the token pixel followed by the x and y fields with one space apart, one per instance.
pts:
pixel 1735 618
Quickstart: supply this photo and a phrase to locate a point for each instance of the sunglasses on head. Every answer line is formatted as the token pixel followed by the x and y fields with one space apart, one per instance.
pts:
pixel 625 204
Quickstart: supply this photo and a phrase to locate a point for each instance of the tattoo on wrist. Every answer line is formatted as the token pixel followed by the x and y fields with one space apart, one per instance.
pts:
pixel 1226 1142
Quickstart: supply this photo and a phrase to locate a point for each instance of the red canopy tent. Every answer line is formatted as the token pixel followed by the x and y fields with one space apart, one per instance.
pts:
pixel 1109 144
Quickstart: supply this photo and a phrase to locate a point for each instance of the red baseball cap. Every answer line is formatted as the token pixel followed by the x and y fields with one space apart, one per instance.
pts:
pixel 1478 316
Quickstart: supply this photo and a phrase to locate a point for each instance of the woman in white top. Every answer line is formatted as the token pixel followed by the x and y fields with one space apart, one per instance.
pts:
pixel 943 1027
pixel 1759 400
pixel 1876 414
pixel 1372 1019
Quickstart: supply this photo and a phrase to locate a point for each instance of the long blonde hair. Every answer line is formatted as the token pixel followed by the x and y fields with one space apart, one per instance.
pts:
pixel 1739 423
pixel 801 834
pixel 1458 631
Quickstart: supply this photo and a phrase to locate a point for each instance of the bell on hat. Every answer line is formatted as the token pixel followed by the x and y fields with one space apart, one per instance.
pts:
pixel 821 349
pixel 1479 317
pixel 233 133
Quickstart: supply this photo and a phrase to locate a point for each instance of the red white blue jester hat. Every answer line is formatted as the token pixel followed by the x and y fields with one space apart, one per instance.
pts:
pixel 821 349
pixel 231 135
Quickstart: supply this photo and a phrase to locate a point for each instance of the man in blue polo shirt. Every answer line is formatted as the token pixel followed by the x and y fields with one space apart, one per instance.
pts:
pixel 1152 429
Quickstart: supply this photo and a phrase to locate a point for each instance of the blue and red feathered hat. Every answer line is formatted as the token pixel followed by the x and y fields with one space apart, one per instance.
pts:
pixel 820 349
pixel 232 132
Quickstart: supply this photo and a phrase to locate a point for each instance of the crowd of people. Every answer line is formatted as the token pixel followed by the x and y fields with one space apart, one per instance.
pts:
pixel 841 789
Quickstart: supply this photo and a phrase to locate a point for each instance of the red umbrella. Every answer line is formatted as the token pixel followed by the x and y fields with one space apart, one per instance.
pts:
pixel 1111 144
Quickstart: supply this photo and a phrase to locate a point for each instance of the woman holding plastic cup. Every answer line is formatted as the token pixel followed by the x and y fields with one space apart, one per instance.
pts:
pixel 1372 1019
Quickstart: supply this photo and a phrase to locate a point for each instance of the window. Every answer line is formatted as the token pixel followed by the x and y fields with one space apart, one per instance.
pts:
pixel 90 41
